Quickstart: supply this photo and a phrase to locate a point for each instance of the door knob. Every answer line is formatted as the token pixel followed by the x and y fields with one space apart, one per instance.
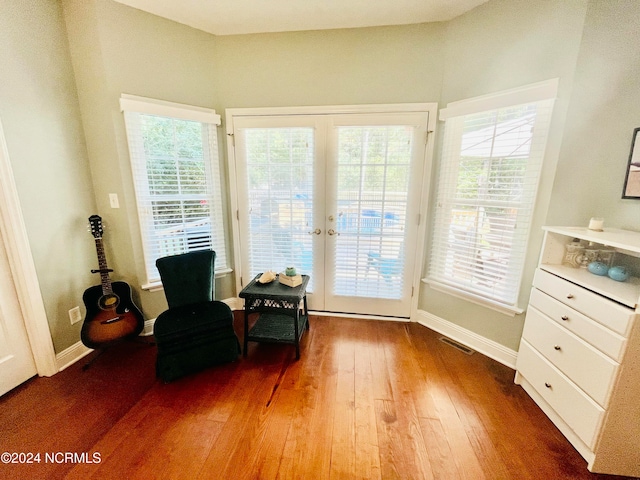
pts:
pixel 332 232
pixel 317 231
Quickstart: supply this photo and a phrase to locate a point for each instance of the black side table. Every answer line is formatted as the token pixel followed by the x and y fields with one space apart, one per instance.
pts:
pixel 280 318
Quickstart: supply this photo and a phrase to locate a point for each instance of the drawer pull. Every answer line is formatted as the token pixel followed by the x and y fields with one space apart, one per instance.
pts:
pixel 564 318
pixel 557 347
pixel 570 296
pixel 546 384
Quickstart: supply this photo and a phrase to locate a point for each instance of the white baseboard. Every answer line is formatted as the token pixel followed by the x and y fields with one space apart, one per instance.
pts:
pixel 487 347
pixel 491 349
pixel 78 350
pixel 235 303
pixel 148 328
pixel 71 355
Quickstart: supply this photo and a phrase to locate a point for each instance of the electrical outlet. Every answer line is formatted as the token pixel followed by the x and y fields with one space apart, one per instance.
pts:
pixel 74 315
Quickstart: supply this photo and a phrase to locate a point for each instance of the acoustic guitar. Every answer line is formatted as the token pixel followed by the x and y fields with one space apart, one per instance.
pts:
pixel 111 313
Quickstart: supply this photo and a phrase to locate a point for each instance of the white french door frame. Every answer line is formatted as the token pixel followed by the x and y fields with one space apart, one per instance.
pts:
pixel 23 268
pixel 232 114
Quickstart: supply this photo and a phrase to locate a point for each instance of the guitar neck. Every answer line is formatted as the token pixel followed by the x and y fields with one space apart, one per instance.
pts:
pixel 105 280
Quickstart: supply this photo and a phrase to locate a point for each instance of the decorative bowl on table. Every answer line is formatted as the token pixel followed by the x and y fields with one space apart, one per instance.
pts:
pixel 267 277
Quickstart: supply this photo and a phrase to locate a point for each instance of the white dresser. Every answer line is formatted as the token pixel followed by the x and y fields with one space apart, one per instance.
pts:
pixel 579 356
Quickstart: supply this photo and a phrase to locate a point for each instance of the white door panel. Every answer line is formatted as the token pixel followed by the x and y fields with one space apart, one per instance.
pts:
pixel 16 360
pixel 336 196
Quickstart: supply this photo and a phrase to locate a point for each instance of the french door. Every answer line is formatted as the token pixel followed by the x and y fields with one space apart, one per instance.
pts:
pixel 338 196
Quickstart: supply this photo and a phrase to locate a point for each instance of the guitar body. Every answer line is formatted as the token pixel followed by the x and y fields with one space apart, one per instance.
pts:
pixel 110 316
pixel 111 313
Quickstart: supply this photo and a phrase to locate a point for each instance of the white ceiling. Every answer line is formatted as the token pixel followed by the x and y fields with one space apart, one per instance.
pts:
pixel 229 17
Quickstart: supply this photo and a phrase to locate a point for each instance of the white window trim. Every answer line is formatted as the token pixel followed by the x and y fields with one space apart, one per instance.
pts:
pixel 470 297
pixel 151 106
pixel 230 113
pixel 540 91
pixel 157 286
pixel 534 92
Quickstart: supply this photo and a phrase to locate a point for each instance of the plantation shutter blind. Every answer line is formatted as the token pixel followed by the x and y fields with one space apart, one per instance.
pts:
pixel 373 177
pixel 280 191
pixel 490 169
pixel 174 161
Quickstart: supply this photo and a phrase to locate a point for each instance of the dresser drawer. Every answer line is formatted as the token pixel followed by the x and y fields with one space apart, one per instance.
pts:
pixel 592 332
pixel 588 368
pixel 610 314
pixel 580 412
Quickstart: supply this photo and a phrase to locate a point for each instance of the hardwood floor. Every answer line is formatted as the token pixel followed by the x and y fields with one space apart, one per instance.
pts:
pixel 367 399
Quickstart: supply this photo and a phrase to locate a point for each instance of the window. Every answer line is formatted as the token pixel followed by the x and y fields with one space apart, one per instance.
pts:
pixel 174 160
pixel 490 166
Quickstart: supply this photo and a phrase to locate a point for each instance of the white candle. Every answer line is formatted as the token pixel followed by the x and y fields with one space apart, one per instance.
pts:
pixel 596 224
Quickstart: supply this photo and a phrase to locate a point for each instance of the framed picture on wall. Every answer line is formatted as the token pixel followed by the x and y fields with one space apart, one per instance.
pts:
pixel 632 179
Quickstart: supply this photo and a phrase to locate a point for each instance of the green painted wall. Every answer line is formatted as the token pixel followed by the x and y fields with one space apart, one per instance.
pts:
pixel 603 112
pixel 41 119
pixel 500 45
pixel 589 44
pixel 592 47
pixel 116 49
pixel 331 67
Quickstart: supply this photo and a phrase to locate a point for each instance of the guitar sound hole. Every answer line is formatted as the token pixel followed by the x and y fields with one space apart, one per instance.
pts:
pixel 109 301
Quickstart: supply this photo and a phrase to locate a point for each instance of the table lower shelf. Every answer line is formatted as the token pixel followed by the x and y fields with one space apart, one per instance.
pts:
pixel 276 328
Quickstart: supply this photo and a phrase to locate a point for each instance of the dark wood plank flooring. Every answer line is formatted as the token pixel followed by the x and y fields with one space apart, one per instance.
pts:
pixel 367 400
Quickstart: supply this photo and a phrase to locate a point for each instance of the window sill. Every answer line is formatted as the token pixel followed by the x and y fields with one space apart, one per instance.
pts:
pixel 511 310
pixel 156 286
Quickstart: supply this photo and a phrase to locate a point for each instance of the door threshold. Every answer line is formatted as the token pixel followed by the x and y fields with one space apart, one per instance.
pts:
pixel 362 316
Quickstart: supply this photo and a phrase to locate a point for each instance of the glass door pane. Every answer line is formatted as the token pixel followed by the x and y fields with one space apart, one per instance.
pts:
pixel 375 196
pixel 278 190
pixel 374 167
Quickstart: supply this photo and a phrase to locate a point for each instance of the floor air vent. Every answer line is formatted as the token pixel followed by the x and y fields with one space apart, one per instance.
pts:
pixel 456 345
